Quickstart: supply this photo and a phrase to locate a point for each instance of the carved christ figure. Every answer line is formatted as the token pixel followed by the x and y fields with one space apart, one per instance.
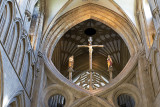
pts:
pixel 109 61
pixel 90 46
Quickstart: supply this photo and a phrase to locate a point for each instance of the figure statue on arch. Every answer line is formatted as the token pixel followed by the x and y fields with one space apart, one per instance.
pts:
pixel 71 62
pixel 110 68
pixel 70 67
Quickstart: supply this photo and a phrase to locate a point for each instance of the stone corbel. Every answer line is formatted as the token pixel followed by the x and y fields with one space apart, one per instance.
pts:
pixel 28 14
pixel 154 48
pixel 22 37
pixel 29 50
pixel 142 53
pixel 33 63
pixel 40 54
pixel 146 62
pixel 155 12
pixel 139 12
pixel 25 32
pixel 15 19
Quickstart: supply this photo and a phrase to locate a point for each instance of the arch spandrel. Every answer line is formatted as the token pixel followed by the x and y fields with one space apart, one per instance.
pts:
pixel 124 28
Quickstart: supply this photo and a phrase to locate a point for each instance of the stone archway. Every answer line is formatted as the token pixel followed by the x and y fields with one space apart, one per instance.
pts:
pixel 122 26
pixel 91 11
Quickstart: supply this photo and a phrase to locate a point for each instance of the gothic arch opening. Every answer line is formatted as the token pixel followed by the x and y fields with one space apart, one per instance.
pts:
pixel 126 31
pixel 17 100
pixel 125 100
pixel 113 46
pixel 56 101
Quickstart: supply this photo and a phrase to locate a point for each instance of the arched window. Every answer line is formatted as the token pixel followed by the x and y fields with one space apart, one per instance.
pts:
pixel 21 57
pixel 125 100
pixel 15 40
pixel 56 101
pixel 7 22
pixel 16 56
pixel 3 19
pixel 17 101
pixel 97 80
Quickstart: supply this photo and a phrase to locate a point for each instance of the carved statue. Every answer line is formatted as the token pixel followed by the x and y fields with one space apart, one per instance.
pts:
pixel 71 62
pixel 110 69
pixel 109 61
pixel 70 65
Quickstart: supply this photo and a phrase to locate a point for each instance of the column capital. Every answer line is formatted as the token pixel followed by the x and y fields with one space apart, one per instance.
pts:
pixel 70 70
pixel 25 33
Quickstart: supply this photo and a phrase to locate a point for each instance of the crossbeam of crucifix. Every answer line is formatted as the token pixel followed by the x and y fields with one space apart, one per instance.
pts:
pixel 90 46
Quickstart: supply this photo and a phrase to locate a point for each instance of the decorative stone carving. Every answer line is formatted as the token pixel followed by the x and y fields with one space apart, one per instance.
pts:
pixel 146 62
pixel 28 14
pixel 40 54
pixel 25 33
pixel 155 11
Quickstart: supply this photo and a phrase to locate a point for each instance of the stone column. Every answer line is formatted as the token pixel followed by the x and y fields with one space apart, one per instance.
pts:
pixel 143 29
pixel 110 73
pixel 39 81
pixel 70 70
pixel 144 79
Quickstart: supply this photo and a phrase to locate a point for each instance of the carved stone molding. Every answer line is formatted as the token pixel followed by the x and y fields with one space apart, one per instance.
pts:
pixel 28 14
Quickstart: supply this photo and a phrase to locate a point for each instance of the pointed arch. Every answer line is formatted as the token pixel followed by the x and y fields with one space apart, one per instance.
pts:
pixel 125 29
pixel 22 55
pixel 8 18
pixel 17 100
pixel 15 40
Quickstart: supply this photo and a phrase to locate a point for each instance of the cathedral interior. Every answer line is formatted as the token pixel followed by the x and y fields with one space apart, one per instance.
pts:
pixel 79 53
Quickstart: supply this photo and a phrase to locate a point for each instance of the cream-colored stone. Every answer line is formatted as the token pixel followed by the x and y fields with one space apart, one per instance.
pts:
pixel 28 76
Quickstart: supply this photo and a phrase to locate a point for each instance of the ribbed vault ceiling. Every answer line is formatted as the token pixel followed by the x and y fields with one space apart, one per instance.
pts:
pixel 113 45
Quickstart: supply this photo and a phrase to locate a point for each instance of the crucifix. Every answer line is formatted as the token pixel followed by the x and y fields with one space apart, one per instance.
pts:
pixel 90 46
